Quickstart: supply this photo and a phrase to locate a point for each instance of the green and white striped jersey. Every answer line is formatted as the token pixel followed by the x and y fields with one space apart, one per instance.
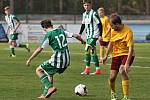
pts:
pixel 11 22
pixel 57 39
pixel 91 21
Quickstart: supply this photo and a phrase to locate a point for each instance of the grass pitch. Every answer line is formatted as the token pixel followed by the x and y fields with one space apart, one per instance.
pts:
pixel 19 82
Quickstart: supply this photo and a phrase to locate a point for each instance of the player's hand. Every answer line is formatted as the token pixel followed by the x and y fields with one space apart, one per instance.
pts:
pixel 28 62
pixel 61 27
pixel 100 39
pixel 79 34
pixel 127 68
pixel 83 42
pixel 14 31
pixel 104 59
pixel 106 35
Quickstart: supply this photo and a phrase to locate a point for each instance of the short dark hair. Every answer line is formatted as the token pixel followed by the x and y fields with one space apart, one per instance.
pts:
pixel 115 18
pixel 101 9
pixel 87 1
pixel 46 23
pixel 7 7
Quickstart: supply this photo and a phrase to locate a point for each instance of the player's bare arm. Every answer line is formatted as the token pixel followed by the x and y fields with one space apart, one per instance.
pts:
pixel 78 37
pixel 17 26
pixel 108 32
pixel 36 52
pixel 130 54
pixel 108 51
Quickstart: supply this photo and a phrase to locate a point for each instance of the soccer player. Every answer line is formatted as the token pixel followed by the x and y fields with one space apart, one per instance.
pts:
pixel 122 46
pixel 13 25
pixel 93 27
pixel 59 61
pixel 105 35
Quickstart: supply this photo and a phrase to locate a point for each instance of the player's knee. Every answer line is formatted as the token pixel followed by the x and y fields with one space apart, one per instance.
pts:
pixel 38 70
pixel 112 79
pixel 87 51
pixel 122 71
pixel 93 51
pixel 10 43
pixel 112 76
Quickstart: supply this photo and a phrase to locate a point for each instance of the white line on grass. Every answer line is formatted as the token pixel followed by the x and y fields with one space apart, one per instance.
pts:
pixel 83 54
pixel 140 67
pixel 136 66
pixel 78 53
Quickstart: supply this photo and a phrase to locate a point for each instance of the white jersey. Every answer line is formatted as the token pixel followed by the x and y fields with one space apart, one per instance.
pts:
pixel 11 21
pixel 91 21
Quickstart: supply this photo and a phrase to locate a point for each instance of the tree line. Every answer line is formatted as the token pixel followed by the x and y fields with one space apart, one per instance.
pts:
pixel 124 7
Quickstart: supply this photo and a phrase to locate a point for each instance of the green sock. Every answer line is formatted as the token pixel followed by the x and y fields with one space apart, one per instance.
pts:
pixel 88 59
pixel 95 59
pixel 12 51
pixel 22 46
pixel 45 89
pixel 44 79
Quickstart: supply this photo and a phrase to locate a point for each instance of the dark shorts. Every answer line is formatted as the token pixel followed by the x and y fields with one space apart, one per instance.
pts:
pixel 118 61
pixel 103 43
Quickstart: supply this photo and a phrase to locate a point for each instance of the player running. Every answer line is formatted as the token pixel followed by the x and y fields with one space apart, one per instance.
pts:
pixel 13 25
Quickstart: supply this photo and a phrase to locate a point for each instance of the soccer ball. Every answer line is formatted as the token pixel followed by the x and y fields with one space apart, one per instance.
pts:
pixel 81 90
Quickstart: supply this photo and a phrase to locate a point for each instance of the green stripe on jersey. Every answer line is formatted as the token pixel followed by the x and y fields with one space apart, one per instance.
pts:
pixel 91 24
pixel 61 59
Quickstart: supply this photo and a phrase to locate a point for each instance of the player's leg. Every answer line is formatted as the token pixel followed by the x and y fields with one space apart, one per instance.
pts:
pixel 101 54
pixel 26 46
pixel 20 44
pixel 92 43
pixel 111 81
pixel 12 48
pixel 113 75
pixel 46 81
pixel 124 76
pixel 42 96
pixel 101 51
pixel 87 60
pixel 43 77
pixel 45 89
pixel 105 48
pixel 46 71
pixel 11 44
pixel 125 80
pixel 96 61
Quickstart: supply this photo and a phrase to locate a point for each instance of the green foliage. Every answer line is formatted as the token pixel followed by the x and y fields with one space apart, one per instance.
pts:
pixel 148 36
pixel 75 6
